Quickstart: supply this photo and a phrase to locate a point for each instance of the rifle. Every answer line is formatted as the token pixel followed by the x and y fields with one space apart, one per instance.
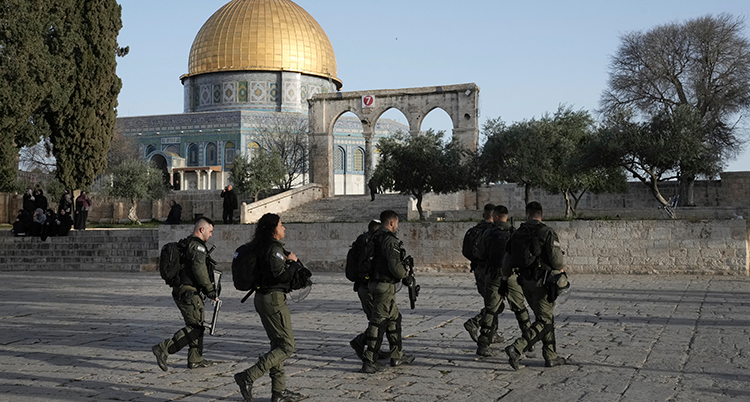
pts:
pixel 216 279
pixel 411 281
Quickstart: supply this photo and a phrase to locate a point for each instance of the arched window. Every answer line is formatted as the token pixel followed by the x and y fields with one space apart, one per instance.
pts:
pixel 359 160
pixel 229 154
pixel 211 154
pixel 150 149
pixel 252 149
pixel 172 149
pixel 193 155
pixel 339 160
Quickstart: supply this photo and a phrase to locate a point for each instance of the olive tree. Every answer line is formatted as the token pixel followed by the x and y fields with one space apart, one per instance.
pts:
pixel 135 180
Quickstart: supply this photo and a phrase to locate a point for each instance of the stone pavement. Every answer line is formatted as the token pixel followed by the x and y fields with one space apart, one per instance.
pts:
pixel 78 336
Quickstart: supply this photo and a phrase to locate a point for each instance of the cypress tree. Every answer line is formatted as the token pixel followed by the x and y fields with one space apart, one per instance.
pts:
pixel 81 110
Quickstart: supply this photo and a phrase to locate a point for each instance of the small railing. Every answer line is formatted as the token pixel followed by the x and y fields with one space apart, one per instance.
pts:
pixel 250 213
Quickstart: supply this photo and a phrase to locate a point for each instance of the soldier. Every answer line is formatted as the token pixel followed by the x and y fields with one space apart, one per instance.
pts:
pixel 363 292
pixel 388 269
pixel 534 250
pixel 194 280
pixel 492 248
pixel 277 271
pixel 478 267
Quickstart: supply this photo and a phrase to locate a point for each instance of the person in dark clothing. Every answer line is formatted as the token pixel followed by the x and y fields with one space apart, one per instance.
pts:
pixel 175 213
pixel 37 222
pixel 230 204
pixel 28 202
pixel 373 188
pixel 22 223
pixel 63 224
pixel 49 225
pixel 40 201
pixel 65 203
pixel 83 204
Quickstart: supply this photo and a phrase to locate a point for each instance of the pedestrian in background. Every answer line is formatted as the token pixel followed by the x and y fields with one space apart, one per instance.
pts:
pixel 230 204
pixel 83 204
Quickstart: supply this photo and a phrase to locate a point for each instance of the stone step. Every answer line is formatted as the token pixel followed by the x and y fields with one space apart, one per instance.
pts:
pixel 356 208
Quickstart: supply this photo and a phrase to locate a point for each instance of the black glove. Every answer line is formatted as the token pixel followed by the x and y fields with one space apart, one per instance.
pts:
pixel 503 288
pixel 211 295
pixel 408 281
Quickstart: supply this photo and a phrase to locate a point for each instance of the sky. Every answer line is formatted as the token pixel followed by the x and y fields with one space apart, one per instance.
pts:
pixel 528 57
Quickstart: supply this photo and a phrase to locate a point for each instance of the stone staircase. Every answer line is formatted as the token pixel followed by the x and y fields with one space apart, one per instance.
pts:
pixel 347 208
pixel 125 250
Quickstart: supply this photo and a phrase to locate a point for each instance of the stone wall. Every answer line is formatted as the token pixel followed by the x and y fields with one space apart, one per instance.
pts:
pixel 644 247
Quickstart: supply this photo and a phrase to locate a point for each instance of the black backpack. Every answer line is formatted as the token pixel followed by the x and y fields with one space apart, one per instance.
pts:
pixel 359 258
pixel 171 261
pixel 245 268
pixel 525 248
pixel 471 238
pixel 491 246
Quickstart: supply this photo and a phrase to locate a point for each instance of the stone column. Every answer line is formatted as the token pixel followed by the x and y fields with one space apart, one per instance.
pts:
pixel 369 133
pixel 321 155
pixel 208 179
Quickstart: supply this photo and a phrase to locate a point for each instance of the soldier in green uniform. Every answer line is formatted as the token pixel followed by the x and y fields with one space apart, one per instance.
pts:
pixel 365 298
pixel 492 245
pixel 538 243
pixel 385 318
pixel 277 270
pixel 478 267
pixel 194 280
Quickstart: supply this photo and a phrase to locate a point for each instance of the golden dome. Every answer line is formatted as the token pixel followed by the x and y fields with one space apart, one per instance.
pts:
pixel 265 35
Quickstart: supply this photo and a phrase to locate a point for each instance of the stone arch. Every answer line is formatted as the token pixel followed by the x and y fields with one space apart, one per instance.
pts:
pixel 460 102
pixel 348 126
pixel 149 150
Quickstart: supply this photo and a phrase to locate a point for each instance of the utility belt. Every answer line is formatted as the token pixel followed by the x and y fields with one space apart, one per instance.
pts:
pixel 268 291
pixel 536 274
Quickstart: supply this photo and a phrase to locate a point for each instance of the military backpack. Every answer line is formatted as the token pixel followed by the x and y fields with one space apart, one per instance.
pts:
pixel 171 261
pixel 471 240
pixel 245 268
pixel 525 248
pixel 359 258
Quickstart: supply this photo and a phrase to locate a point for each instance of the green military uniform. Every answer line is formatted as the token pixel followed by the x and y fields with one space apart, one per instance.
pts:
pixel 270 303
pixel 479 268
pixel 385 316
pixel 535 292
pixel 362 288
pixel 494 240
pixel 194 279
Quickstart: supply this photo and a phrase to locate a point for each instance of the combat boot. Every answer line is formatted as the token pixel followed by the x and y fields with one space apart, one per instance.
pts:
pixel 286 396
pixel 359 349
pixel 404 360
pixel 201 364
pixel 513 357
pixel 472 328
pixel 369 367
pixel 560 361
pixel 161 357
pixel 246 386
pixel 484 350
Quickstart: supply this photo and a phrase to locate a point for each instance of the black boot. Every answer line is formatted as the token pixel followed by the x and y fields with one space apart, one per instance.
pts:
pixel 246 386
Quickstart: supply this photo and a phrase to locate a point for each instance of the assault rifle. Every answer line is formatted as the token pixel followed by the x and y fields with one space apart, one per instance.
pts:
pixel 411 281
pixel 215 276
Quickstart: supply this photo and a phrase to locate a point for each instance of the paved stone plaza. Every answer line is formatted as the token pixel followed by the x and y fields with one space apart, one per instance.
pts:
pixel 73 336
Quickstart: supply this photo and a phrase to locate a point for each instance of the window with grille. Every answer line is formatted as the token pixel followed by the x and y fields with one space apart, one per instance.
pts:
pixel 339 159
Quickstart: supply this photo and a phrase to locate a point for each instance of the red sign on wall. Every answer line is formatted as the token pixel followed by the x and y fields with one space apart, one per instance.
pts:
pixel 368 101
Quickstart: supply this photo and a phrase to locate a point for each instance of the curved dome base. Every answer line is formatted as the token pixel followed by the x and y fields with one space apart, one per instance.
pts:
pixel 253 90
